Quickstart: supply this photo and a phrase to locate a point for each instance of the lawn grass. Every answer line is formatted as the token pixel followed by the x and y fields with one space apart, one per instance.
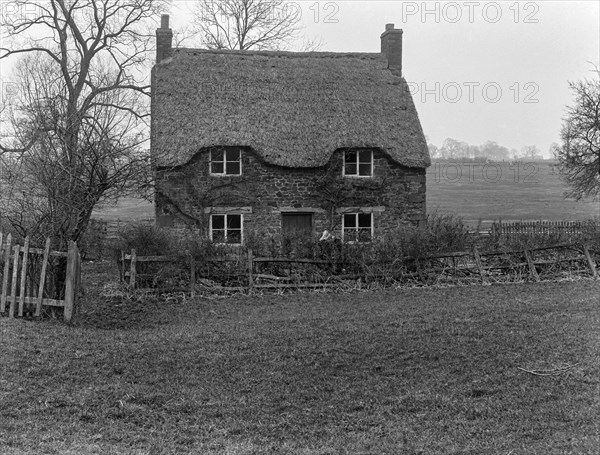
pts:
pixel 412 371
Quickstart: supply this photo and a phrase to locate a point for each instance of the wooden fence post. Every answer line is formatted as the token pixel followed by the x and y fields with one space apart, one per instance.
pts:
pixel 590 262
pixel 250 269
pixel 6 272
pixel 23 276
pixel 38 307
pixel 72 280
pixel 479 264
pixel 192 276
pixel 532 271
pixel 77 273
pixel 122 274
pixel 132 269
pixel 13 289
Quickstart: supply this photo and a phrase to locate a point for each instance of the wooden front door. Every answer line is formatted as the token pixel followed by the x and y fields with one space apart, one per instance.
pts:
pixel 296 223
pixel 297 230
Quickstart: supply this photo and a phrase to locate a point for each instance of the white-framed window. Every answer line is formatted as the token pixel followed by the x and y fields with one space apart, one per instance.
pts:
pixel 358 163
pixel 357 227
pixel 226 161
pixel 227 228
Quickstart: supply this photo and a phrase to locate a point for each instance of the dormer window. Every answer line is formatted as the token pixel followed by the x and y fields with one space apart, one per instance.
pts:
pixel 226 161
pixel 358 163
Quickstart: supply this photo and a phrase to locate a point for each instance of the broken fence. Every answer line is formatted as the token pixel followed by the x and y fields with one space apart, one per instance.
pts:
pixel 245 269
pixel 33 278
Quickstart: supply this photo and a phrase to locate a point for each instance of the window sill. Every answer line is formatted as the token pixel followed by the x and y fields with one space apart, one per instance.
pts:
pixel 358 176
pixel 356 242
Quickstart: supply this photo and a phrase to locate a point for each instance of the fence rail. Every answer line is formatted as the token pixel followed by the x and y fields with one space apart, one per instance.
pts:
pixel 27 285
pixel 483 264
pixel 516 228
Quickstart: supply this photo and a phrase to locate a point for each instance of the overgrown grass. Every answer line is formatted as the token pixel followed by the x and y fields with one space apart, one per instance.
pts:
pixel 422 371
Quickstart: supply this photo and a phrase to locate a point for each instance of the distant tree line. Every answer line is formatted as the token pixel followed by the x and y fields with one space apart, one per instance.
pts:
pixel 490 150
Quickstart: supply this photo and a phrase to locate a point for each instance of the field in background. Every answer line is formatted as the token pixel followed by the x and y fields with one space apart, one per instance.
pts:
pixel 521 191
pixel 471 190
pixel 414 371
pixel 127 209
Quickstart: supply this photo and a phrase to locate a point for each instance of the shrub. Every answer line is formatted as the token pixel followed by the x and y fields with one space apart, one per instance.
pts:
pixel 147 240
pixel 441 233
pixel 298 245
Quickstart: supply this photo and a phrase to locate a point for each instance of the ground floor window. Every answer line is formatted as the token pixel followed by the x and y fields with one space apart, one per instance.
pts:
pixel 357 227
pixel 226 229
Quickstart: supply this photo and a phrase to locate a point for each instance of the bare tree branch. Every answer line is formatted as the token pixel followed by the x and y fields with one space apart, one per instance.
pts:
pixel 579 154
pixel 247 24
pixel 77 130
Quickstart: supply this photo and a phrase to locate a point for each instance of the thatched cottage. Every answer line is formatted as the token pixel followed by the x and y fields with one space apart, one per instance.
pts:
pixel 281 142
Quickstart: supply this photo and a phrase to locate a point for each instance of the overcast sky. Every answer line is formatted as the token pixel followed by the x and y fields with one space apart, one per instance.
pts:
pixel 526 50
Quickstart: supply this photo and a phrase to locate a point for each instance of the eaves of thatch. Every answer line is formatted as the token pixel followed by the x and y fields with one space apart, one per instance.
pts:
pixel 292 109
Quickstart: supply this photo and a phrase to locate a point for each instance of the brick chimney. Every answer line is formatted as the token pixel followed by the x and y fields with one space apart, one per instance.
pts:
pixel 164 39
pixel 391 48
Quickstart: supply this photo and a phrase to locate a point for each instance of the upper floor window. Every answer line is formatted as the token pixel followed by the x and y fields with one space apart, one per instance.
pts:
pixel 226 229
pixel 357 227
pixel 226 161
pixel 358 163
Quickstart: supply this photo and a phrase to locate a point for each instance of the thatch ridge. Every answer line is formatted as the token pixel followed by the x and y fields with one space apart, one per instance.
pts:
pixel 293 109
pixel 265 53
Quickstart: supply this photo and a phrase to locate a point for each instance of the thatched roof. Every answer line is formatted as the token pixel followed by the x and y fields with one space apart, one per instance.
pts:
pixel 293 109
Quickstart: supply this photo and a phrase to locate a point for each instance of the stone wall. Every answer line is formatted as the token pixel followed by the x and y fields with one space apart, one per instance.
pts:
pixel 187 194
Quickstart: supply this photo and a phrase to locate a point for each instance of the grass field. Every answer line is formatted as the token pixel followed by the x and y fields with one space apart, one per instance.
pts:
pixel 503 191
pixel 472 191
pixel 414 371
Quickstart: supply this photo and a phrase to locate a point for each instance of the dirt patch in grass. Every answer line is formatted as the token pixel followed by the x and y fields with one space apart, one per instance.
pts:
pixel 421 371
pixel 106 304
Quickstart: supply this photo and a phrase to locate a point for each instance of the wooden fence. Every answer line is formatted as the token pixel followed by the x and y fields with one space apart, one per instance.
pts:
pixel 484 266
pixel 515 229
pixel 33 278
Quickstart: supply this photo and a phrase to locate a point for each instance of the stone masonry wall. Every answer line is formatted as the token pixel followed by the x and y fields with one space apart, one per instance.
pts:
pixel 185 195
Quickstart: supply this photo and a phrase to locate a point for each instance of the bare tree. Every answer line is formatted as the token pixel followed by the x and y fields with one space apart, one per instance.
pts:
pixel 79 124
pixel 491 150
pixel 579 154
pixel 552 150
pixel 52 193
pixel 531 152
pixel 433 150
pixel 451 149
pixel 248 24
